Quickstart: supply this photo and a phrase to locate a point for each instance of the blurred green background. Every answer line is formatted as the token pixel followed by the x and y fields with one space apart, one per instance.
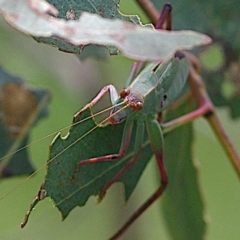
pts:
pixel 72 85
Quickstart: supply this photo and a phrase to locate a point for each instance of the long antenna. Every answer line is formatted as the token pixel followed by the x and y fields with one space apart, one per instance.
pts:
pixel 52 159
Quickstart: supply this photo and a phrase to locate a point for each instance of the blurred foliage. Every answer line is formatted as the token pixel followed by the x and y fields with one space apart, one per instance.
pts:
pixel 20 108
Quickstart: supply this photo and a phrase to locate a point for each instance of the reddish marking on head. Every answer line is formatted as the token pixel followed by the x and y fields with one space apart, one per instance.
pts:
pixel 124 93
pixel 133 97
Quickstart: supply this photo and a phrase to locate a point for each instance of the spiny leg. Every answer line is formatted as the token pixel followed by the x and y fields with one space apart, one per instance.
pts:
pixel 135 69
pixel 155 137
pixel 126 138
pixel 137 150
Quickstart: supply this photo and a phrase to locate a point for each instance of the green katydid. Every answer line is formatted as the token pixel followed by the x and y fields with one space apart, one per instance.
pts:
pixel 134 106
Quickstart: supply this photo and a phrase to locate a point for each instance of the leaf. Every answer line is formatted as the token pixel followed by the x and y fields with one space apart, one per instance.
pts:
pixel 73 9
pixel 20 107
pixel 59 182
pixel 137 42
pixel 182 204
pixel 86 140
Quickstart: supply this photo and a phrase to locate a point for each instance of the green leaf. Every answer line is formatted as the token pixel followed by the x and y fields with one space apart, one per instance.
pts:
pixel 135 41
pixel 60 185
pixel 182 203
pixel 87 140
pixel 20 108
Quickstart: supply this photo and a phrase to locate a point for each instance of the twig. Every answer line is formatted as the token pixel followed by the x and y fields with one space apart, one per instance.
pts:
pixel 149 9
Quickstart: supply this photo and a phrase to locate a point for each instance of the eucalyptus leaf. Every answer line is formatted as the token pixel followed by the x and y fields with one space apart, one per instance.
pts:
pixel 37 18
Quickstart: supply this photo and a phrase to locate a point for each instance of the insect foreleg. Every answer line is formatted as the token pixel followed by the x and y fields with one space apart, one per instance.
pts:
pixel 113 97
pixel 126 138
pixel 137 150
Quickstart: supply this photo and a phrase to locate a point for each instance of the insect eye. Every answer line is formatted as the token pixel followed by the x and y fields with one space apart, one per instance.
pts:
pixel 124 93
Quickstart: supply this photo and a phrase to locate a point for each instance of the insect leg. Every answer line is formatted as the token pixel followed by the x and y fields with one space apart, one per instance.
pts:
pixel 163 22
pixel 113 96
pixel 155 137
pixel 207 110
pixel 137 151
pixel 165 19
pixel 126 138
pixel 135 69
pixel 150 10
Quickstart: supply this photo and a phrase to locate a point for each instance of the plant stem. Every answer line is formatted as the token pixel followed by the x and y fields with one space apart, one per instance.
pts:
pixel 149 9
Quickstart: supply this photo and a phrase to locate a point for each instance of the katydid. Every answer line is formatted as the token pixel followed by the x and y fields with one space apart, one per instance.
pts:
pixel 148 94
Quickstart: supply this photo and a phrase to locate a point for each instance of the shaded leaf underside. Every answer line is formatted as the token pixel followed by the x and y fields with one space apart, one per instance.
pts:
pixel 135 41
pixel 73 9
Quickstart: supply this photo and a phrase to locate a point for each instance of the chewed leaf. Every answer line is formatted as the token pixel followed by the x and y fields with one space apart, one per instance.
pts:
pixel 71 10
pixel 70 186
pixel 135 41
pixel 60 184
pixel 20 108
